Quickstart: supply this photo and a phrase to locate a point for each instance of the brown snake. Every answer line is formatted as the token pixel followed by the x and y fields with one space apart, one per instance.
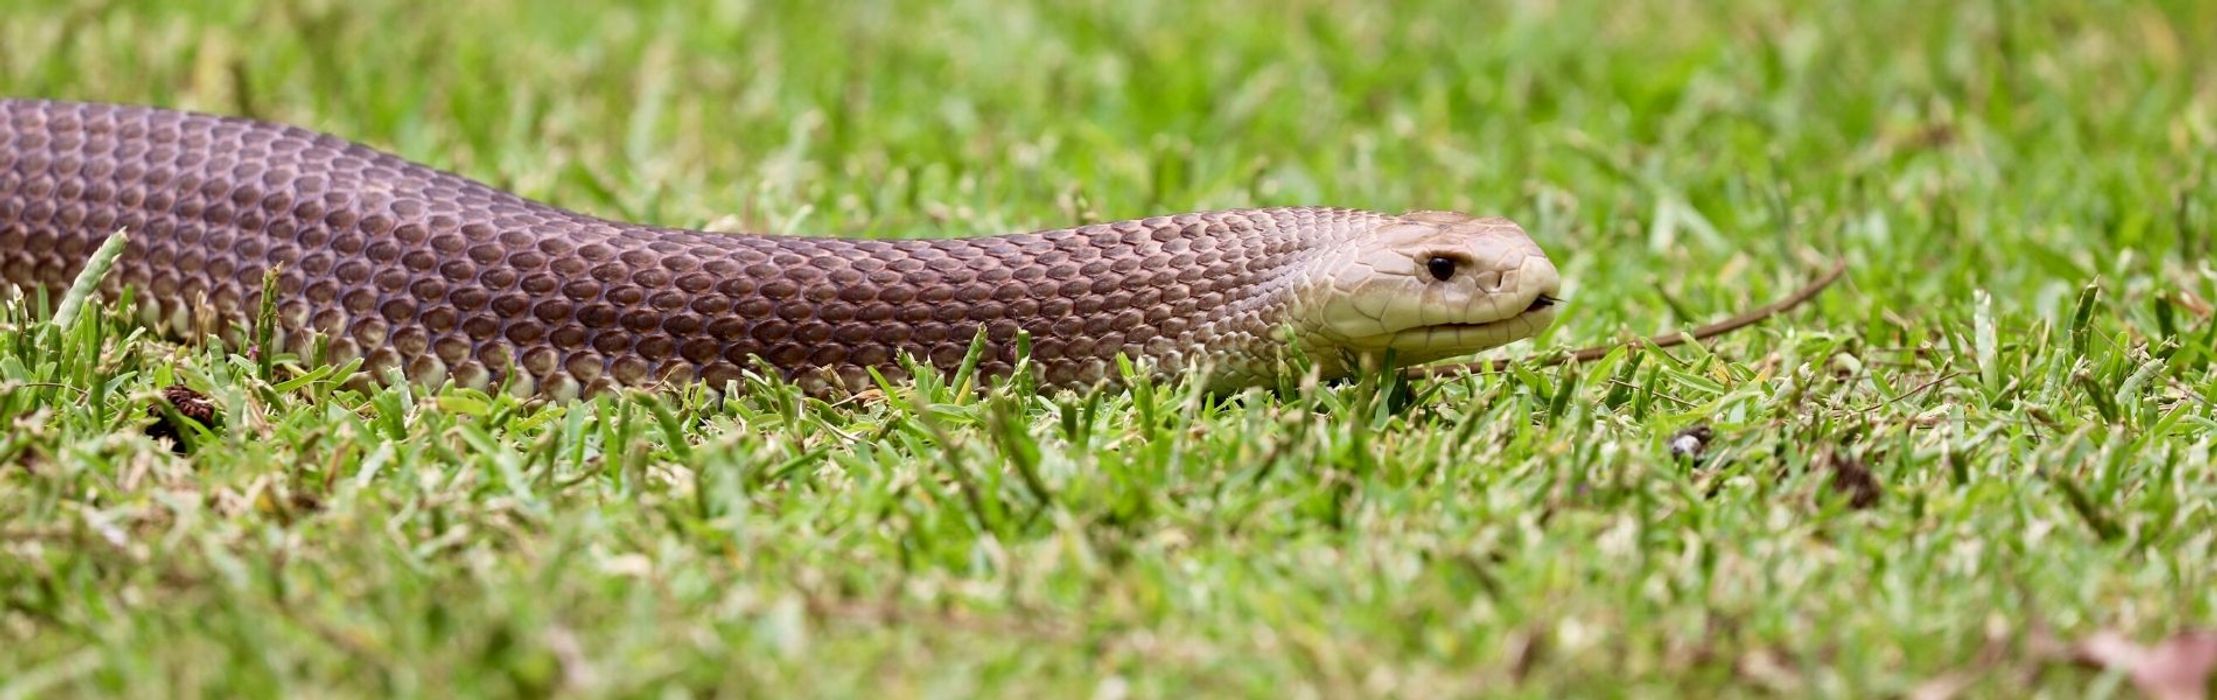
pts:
pixel 434 277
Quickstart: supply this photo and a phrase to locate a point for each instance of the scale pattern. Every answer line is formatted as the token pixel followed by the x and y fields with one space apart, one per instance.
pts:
pixel 431 276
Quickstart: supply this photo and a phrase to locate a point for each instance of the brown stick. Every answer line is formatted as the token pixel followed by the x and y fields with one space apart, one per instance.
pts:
pixel 1589 354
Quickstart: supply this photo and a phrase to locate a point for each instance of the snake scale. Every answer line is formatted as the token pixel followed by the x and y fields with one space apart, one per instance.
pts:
pixel 432 277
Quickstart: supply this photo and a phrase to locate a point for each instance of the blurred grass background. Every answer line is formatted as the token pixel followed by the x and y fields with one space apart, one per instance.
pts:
pixel 2044 460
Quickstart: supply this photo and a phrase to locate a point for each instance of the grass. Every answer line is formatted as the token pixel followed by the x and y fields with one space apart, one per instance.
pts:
pixel 2019 362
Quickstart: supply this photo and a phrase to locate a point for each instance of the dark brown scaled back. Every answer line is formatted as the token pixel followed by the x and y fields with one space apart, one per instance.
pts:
pixel 439 277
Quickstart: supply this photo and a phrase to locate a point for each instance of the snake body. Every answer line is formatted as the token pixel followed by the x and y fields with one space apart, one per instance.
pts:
pixel 434 277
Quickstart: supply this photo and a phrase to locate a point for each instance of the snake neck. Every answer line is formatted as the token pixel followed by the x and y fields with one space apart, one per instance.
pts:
pixel 1206 291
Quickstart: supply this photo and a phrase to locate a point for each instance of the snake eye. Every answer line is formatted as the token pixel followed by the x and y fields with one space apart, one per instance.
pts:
pixel 1441 267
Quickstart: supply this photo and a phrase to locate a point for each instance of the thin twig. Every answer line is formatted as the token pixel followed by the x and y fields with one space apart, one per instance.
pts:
pixel 2189 391
pixel 1589 354
pixel 1921 388
pixel 1666 397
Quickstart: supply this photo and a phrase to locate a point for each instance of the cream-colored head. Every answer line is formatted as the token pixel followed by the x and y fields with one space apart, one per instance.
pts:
pixel 1429 285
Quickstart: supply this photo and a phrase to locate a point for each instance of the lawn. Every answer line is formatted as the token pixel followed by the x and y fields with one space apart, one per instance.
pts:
pixel 1992 438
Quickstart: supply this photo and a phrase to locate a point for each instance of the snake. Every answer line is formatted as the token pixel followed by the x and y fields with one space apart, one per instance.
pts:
pixel 426 276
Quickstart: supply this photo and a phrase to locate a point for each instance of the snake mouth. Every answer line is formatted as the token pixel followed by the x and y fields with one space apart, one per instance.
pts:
pixel 1451 339
pixel 1542 309
pixel 1544 302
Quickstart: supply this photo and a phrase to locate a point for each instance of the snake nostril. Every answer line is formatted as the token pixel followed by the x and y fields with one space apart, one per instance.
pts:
pixel 1491 281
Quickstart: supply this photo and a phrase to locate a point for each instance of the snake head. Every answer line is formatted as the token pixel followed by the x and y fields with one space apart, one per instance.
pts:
pixel 1428 285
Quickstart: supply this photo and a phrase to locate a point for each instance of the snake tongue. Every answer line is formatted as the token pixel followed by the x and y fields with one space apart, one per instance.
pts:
pixel 1544 301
